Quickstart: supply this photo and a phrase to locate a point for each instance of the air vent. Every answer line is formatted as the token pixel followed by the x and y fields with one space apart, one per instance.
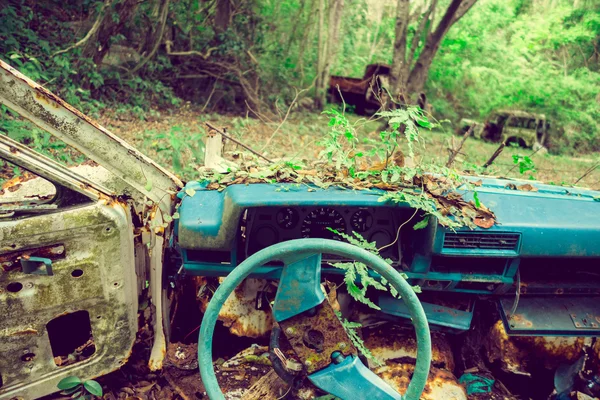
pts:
pixel 482 241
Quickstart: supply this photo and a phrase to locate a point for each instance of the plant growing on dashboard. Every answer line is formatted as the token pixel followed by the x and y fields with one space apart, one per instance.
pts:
pixel 356 274
pixel 80 390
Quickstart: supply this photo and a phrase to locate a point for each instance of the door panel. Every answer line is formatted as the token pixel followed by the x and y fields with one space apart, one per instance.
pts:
pixel 79 321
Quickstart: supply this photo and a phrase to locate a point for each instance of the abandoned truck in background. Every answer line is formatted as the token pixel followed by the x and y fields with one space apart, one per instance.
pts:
pixel 515 127
pixel 80 257
pixel 366 94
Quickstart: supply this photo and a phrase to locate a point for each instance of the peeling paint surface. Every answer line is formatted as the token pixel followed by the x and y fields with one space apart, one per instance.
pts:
pixel 395 343
pixel 441 384
pixel 88 278
pixel 239 312
pixel 54 115
pixel 516 353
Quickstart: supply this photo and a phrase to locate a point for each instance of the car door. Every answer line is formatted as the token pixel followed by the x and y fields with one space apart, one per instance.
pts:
pixel 68 288
pixel 75 254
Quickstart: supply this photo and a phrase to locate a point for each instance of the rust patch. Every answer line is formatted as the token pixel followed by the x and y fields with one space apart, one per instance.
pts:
pixel 516 354
pixel 314 338
pixel 239 313
pixel 441 384
pixel 400 344
pixel 10 261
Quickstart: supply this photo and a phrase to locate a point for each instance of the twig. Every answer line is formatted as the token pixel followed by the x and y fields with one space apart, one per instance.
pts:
pixel 284 118
pixel 341 97
pixel 589 171
pixel 90 33
pixel 169 43
pixel 259 115
pixel 453 152
pixel 237 142
pixel 495 155
pixel 210 96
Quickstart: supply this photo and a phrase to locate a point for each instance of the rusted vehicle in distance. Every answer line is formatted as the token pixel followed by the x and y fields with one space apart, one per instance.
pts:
pixel 362 93
pixel 516 127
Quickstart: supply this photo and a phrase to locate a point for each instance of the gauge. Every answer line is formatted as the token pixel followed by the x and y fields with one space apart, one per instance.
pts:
pixel 361 221
pixel 287 218
pixel 316 223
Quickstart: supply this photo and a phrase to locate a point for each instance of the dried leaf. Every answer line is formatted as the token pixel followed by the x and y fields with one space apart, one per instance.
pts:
pixel 484 222
pixel 527 188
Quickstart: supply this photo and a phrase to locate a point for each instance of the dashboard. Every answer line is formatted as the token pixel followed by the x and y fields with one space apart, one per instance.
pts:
pixel 266 226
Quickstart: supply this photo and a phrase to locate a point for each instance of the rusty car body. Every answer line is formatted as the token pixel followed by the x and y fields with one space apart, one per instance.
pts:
pixel 516 127
pixel 365 94
pixel 78 259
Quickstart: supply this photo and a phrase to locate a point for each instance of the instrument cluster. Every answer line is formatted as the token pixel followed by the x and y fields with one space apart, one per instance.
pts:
pixel 269 225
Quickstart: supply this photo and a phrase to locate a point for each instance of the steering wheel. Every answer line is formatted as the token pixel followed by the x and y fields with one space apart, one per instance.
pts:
pixel 311 326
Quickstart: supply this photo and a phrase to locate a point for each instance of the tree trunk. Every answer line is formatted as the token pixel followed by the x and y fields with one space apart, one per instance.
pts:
pixel 335 18
pixel 223 15
pixel 308 30
pixel 418 75
pixel 398 73
pixel 113 22
pixel 321 54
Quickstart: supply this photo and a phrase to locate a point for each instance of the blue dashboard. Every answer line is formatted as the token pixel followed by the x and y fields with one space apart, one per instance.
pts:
pixel 549 228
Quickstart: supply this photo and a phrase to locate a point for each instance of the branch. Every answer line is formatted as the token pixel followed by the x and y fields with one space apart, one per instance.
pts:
pixel 589 171
pixel 237 142
pixel 163 22
pixel 495 155
pixel 455 152
pixel 465 6
pixel 447 21
pixel 298 93
pixel 169 43
pixel 91 32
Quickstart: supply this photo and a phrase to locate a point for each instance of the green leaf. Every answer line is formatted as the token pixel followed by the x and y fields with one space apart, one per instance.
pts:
pixel 69 382
pixel 71 391
pixel 421 224
pixel 175 215
pixel 148 186
pixel 476 198
pixel 424 123
pixel 190 192
pixel 93 387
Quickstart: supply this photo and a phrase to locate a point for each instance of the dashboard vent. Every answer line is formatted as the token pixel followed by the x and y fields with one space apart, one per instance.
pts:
pixel 482 241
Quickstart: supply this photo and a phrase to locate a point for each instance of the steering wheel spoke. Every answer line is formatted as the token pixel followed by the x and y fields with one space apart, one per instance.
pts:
pixel 349 378
pixel 299 287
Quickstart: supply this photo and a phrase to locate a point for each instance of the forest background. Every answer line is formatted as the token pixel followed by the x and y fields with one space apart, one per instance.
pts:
pixel 138 63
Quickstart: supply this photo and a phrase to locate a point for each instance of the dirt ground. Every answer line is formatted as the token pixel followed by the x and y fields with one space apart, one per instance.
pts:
pixel 297 136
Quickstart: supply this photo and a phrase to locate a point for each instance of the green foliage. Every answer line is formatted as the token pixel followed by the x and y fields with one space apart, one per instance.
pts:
pixel 356 274
pixel 180 147
pixel 524 163
pixel 502 54
pixel 357 341
pixel 409 120
pixel 80 390
pixel 510 54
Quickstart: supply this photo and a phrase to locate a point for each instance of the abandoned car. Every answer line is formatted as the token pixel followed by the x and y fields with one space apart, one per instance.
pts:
pixel 365 93
pixel 81 254
pixel 516 127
